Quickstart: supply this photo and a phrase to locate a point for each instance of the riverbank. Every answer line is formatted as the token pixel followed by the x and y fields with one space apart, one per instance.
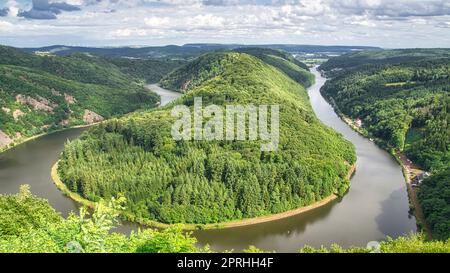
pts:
pixel 190 227
pixel 408 172
pixel 25 140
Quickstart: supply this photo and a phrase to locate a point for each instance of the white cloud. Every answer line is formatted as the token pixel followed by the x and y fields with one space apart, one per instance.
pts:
pixel 6 26
pixel 157 21
pixel 205 21
pixel 13 7
pixel 363 22
pixel 127 32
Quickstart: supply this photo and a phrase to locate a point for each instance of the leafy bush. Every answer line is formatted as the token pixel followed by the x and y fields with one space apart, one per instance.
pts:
pixel 29 225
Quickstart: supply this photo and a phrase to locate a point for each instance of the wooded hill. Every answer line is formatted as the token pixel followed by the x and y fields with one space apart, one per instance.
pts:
pixel 43 93
pixel 406 105
pixel 284 61
pixel 200 69
pixel 148 70
pixel 212 181
pixel 359 59
pixel 403 99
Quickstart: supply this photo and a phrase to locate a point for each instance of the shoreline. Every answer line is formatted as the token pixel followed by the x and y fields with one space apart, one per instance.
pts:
pixel 191 227
pixel 28 139
pixel 412 194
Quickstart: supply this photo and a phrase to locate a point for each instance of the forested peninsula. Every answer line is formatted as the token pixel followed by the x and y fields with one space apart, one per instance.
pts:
pixel 207 182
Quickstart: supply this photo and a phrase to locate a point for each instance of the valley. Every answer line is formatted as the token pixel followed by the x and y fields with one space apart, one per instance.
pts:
pixel 132 156
pixel 225 135
pixel 321 226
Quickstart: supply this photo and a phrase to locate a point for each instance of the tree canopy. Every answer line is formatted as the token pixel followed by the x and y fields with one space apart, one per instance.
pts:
pixel 405 105
pixel 434 195
pixel 203 182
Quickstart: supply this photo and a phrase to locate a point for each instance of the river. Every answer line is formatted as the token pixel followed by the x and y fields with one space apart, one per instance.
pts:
pixel 375 207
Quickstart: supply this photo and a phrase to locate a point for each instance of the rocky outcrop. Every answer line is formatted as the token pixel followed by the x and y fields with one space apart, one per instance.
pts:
pixel 40 103
pixel 5 140
pixel 17 114
pixel 6 110
pixel 185 86
pixel 91 117
pixel 69 99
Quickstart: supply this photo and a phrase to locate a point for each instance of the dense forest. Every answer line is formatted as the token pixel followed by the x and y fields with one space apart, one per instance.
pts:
pixel 148 70
pixel 205 182
pixel 360 59
pixel 44 93
pixel 405 105
pixel 29 224
pixel 402 98
pixel 434 195
pixel 295 69
pixel 183 79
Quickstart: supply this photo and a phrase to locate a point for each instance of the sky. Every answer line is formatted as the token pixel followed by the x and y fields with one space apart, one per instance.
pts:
pixel 384 23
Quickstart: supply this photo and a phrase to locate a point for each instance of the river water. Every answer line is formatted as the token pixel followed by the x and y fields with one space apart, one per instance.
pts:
pixel 375 207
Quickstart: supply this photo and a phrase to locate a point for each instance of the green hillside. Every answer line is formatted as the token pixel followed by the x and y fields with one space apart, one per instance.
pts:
pixel 263 52
pixel 44 93
pixel 78 67
pixel 359 59
pixel 188 77
pixel 405 105
pixel 284 62
pixel 212 181
pixel 86 68
pixel 434 195
pixel 148 70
